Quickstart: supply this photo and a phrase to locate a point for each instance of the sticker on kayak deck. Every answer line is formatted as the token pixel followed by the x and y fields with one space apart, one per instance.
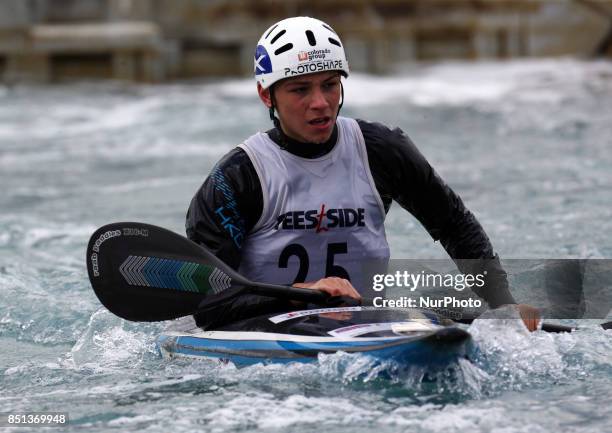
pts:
pixel 366 328
pixel 301 313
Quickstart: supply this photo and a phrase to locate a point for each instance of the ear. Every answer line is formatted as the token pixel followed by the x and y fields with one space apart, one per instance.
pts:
pixel 264 95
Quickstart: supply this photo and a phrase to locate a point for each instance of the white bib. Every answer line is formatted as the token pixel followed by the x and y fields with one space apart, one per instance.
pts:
pixel 320 216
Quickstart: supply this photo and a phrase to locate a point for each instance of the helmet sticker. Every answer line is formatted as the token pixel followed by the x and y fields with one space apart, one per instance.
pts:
pixel 313 55
pixel 308 68
pixel 263 65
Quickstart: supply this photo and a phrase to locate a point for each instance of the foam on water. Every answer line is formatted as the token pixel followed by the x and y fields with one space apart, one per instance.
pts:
pixel 456 84
pixel 110 342
pixel 525 143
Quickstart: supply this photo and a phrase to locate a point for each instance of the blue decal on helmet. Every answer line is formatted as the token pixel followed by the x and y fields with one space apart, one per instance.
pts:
pixel 263 65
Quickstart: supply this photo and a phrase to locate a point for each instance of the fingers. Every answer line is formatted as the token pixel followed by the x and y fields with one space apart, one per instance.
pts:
pixel 530 316
pixel 338 287
pixel 334 286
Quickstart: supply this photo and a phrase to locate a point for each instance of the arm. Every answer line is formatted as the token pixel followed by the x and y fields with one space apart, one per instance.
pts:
pixel 220 215
pixel 403 174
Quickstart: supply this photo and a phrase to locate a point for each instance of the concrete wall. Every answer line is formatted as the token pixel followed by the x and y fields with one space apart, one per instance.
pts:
pixel 568 27
pixel 153 40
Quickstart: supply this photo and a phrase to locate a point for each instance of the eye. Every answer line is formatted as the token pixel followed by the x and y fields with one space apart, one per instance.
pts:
pixel 299 90
pixel 330 85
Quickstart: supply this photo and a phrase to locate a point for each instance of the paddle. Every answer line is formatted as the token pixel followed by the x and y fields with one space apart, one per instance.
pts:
pixel 145 273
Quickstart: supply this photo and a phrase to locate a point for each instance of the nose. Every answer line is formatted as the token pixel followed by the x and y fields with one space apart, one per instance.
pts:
pixel 318 100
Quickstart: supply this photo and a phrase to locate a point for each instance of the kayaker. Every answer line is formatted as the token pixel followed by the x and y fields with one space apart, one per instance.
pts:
pixel 304 203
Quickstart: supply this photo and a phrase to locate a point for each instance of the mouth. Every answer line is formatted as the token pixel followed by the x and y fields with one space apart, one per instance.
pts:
pixel 320 122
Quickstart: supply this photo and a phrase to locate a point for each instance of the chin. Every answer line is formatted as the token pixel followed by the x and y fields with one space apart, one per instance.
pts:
pixel 306 136
pixel 321 137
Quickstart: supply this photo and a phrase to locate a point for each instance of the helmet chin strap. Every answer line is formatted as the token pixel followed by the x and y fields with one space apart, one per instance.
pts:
pixel 275 120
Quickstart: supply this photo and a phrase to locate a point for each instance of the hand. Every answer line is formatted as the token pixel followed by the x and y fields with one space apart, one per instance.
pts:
pixel 334 286
pixel 530 316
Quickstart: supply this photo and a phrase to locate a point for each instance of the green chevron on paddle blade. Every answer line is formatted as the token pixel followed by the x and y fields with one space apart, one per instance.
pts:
pixel 189 270
pixel 184 274
pixel 200 278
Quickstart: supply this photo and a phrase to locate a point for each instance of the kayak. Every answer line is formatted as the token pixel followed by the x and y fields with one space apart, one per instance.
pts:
pixel 409 337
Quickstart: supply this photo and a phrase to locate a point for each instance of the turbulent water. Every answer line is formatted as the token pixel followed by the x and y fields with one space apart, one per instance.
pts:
pixel 528 146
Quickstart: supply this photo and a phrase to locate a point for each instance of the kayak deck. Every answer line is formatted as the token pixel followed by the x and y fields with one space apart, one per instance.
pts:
pixel 301 336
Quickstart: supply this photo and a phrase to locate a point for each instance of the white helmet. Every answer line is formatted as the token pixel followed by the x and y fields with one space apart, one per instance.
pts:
pixel 298 46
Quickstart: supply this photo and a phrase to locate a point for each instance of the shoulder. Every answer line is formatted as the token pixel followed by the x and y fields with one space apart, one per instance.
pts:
pixel 234 170
pixel 233 162
pixel 376 132
pixel 232 184
pixel 390 147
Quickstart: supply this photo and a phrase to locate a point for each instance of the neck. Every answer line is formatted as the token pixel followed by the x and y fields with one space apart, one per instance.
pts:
pixel 299 148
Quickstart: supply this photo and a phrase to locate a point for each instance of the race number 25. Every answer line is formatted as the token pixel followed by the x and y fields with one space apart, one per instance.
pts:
pixel 331 269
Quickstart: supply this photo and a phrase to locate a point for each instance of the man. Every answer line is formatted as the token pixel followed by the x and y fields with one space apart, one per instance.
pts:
pixel 305 202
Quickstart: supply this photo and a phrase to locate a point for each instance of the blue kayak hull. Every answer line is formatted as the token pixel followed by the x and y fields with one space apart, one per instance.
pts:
pixel 441 348
pixel 407 342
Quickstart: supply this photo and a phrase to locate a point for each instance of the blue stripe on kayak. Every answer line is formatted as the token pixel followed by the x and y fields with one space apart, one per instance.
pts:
pixel 277 344
pixel 409 353
pixel 417 351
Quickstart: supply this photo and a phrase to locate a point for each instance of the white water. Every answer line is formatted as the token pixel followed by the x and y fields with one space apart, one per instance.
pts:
pixel 526 144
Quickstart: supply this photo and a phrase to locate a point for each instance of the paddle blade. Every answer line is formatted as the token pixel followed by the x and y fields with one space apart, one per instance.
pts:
pixel 141 272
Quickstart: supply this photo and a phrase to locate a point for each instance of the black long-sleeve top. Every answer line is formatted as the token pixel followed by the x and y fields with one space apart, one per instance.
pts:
pixel 400 173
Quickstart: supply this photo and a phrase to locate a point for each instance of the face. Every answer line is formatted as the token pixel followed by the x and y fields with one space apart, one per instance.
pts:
pixel 307 105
